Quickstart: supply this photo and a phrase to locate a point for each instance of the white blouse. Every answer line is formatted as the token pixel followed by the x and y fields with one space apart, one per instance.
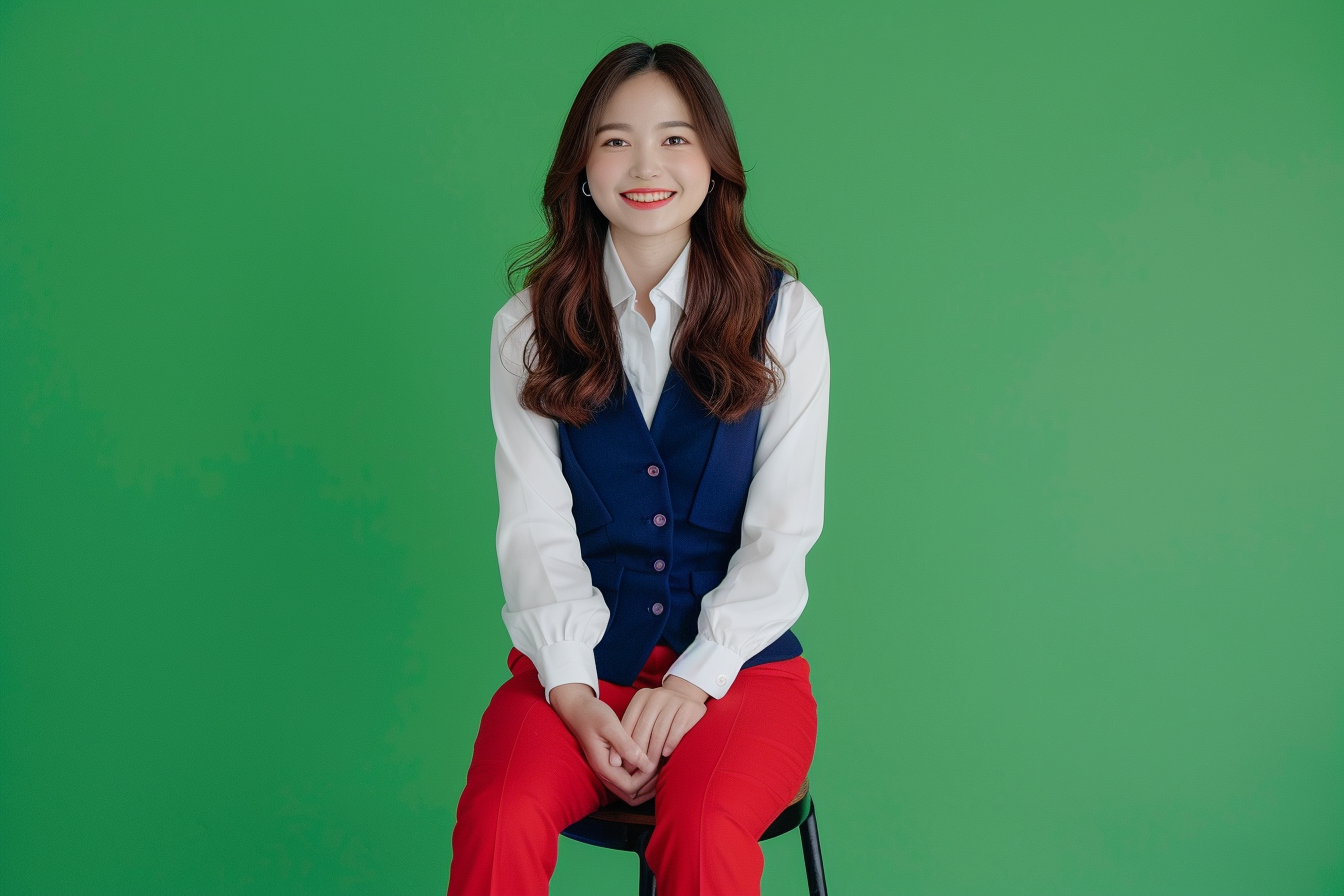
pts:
pixel 552 611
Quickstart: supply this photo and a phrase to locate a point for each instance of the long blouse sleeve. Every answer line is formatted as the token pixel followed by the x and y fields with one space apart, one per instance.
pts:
pixel 552 611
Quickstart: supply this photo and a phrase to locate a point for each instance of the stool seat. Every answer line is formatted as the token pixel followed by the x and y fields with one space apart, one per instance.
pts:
pixel 621 826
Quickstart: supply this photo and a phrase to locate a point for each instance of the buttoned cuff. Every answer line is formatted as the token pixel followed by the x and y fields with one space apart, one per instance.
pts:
pixel 562 662
pixel 708 665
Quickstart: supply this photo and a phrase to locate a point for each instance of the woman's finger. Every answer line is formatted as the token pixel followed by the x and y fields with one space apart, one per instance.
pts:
pixel 640 785
pixel 655 708
pixel 631 752
pixel 684 721
pixel 634 712
pixel 638 778
pixel 625 779
pixel 624 785
pixel 633 708
pixel 621 787
pixel 647 791
pixel 661 727
pixel 617 780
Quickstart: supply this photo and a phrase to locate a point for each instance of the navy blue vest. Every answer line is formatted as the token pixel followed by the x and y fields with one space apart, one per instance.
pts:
pixel 659 514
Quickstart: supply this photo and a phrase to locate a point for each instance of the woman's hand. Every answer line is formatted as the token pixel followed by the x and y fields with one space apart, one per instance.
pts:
pixel 658 718
pixel 607 745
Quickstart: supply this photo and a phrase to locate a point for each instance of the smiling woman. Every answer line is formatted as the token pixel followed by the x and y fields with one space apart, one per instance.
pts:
pixel 660 390
pixel 641 127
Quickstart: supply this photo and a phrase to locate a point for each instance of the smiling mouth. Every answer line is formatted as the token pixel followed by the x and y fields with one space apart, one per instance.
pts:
pixel 654 196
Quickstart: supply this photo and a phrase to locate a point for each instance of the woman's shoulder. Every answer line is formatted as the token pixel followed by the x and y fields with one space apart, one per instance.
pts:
pixel 511 328
pixel 796 304
pixel 515 314
pixel 518 306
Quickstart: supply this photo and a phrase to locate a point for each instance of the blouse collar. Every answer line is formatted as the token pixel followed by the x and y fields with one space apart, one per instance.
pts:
pixel 619 287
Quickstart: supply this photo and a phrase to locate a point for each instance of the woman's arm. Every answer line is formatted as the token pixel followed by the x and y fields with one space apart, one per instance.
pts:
pixel 765 588
pixel 552 612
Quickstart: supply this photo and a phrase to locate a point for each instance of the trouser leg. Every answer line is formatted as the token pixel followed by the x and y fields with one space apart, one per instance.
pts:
pixel 729 778
pixel 528 780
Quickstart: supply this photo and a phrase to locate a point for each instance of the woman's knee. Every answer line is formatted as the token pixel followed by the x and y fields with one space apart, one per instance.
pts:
pixel 723 808
pixel 524 803
pixel 526 765
pixel 707 843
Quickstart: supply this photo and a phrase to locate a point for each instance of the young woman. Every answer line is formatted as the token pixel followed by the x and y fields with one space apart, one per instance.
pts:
pixel 659 391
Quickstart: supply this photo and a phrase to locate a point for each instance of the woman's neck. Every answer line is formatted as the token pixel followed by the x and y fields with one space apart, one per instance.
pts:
pixel 647 259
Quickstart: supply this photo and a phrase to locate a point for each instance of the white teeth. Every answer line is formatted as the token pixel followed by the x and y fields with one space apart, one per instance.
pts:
pixel 647 197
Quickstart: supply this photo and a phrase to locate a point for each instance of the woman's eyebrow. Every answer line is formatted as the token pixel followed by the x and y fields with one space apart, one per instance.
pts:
pixel 619 126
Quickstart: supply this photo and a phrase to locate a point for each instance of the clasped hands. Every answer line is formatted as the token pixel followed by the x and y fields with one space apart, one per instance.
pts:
pixel 620 751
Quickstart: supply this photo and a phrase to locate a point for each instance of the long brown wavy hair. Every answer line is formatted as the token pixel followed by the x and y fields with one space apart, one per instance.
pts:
pixel 573 356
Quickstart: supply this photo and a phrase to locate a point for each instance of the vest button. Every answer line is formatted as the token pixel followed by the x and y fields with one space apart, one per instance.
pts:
pixel 653 469
pixel 659 519
pixel 659 565
pixel 657 609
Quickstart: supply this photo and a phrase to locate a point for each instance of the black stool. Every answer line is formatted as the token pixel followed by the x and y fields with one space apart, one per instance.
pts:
pixel 619 826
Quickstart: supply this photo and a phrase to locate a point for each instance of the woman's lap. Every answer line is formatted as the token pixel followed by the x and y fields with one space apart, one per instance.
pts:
pixel 737 768
pixel 763 730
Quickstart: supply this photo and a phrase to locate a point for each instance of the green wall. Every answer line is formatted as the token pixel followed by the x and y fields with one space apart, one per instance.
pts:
pixel 1077 617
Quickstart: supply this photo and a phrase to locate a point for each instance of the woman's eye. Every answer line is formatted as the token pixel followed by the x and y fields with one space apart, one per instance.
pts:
pixel 673 137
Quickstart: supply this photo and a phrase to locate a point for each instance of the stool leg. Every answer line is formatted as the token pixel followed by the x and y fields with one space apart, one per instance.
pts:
pixel 647 885
pixel 816 875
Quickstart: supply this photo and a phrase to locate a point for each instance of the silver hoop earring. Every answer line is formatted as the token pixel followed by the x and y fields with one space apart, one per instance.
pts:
pixel 584 188
pixel 711 185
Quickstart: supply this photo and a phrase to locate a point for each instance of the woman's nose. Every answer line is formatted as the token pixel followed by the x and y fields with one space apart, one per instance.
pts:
pixel 644 164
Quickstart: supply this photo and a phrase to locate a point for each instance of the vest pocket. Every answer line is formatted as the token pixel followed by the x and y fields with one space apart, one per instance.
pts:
pixel 607 579
pixel 587 508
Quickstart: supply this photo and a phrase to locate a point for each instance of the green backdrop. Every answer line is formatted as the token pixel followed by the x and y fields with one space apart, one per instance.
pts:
pixel 1077 618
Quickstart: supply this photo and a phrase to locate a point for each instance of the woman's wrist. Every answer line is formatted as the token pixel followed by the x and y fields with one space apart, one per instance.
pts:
pixel 685 688
pixel 571 693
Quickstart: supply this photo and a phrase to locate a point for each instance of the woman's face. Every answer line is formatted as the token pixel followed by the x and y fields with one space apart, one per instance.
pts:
pixel 645 142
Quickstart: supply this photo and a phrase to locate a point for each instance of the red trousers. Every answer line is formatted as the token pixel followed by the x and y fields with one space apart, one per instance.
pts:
pixel 723 785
